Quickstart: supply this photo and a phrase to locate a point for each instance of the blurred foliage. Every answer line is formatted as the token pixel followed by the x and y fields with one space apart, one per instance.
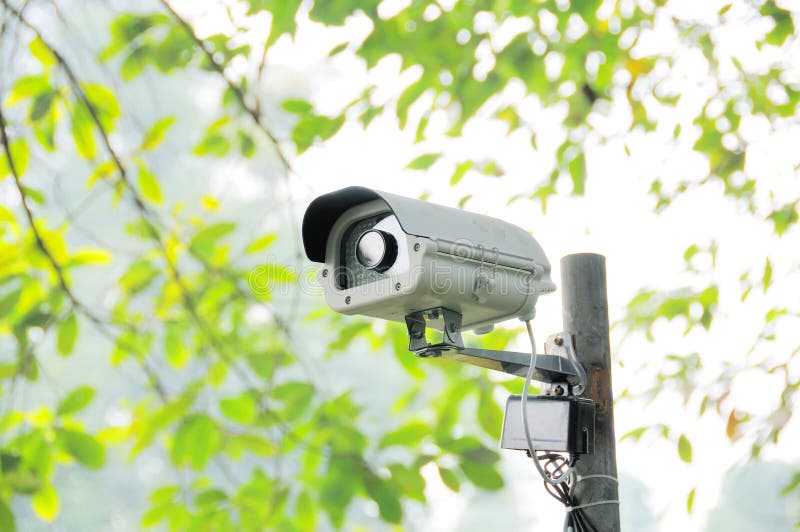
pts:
pixel 182 301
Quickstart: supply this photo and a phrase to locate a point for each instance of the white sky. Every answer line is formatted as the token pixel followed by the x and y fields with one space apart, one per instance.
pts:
pixel 615 218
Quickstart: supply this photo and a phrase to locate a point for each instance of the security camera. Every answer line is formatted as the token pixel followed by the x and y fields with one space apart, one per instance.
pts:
pixel 389 257
pixel 438 268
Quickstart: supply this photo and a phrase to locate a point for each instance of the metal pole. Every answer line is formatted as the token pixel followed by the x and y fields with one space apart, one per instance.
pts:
pixel 585 315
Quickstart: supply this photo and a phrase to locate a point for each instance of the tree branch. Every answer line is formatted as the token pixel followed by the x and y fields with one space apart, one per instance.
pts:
pixel 237 91
pixel 252 111
pixel 76 303
pixel 146 215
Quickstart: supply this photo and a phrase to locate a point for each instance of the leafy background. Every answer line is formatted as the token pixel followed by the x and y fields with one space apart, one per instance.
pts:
pixel 164 358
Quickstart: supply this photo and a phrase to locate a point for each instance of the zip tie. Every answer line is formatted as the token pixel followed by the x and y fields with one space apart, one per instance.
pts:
pixel 589 504
pixel 581 478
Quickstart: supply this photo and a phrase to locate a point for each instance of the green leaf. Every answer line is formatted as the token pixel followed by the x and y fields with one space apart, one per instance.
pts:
pixel 306 517
pixel 126 28
pixel 196 441
pixel 784 26
pixel 339 485
pixel 20 154
pixel 77 400
pixel 247 145
pixel 784 217
pixel 263 278
pixel 283 16
pixel 298 107
pixel 369 115
pixel 685 449
pixel 460 172
pixel 264 364
pixel 204 241
pixel 210 497
pixel 254 443
pixel 490 415
pixel 482 475
pixel 408 97
pixel 792 485
pixel 312 127
pixel 380 491
pixel 242 408
pixel 7 522
pixel 409 435
pixel 334 12
pixel 449 478
pixel 104 103
pixel 27 87
pixel 82 132
pixel 635 434
pixel 690 501
pixel 215 144
pixel 46 503
pixel 261 243
pixel 22 480
pixel 296 396
pixel 89 256
pixel 41 105
pixel 101 171
pixel 479 455
pixel 217 373
pixel 157 133
pixel 409 480
pixel 134 63
pixel 176 350
pixel 577 171
pixel 67 334
pixel 766 279
pixel 138 277
pixel 34 195
pixel 41 52
pixel 6 216
pixel 339 48
pixel 149 185
pixel 423 162
pixel 83 447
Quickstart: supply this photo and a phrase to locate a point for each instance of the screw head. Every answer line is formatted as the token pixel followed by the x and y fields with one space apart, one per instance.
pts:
pixel 558 390
pixel 416 247
pixel 347 300
pixel 325 272
pixel 558 340
pixel 397 287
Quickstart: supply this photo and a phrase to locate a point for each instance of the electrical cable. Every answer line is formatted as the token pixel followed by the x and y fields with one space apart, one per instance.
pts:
pixel 528 434
pixel 558 473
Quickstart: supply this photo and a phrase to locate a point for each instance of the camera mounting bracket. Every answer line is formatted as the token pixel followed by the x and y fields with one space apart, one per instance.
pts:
pixel 556 369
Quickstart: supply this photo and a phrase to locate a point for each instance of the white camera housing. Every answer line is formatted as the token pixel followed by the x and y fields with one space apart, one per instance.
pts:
pixel 420 256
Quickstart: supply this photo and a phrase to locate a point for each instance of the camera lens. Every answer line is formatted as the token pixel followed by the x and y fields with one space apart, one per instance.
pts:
pixel 376 250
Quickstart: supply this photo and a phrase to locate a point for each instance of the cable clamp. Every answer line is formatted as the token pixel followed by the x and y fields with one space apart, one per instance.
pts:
pixel 581 478
pixel 589 505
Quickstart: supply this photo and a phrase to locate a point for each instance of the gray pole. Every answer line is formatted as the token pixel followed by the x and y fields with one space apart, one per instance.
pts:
pixel 585 315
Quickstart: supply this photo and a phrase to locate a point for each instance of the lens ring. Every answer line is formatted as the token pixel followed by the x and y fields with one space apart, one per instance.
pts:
pixel 376 250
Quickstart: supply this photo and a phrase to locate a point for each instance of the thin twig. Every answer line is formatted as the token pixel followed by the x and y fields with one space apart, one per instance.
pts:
pixel 146 214
pixel 76 303
pixel 237 91
pixel 252 111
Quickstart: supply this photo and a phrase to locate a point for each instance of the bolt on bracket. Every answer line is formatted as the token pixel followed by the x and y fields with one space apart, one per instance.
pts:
pixel 557 367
